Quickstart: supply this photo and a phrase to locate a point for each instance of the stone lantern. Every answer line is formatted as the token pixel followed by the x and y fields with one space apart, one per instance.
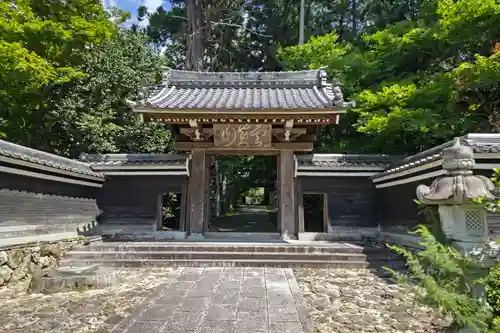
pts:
pixel 462 221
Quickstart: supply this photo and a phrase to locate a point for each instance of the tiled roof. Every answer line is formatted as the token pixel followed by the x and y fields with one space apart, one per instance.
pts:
pixel 22 153
pixel 342 161
pixel 113 160
pixel 480 144
pixel 244 91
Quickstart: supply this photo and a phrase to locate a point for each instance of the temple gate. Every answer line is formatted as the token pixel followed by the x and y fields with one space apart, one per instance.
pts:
pixel 259 113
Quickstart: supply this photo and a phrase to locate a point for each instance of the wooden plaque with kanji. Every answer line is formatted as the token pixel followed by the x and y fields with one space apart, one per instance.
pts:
pixel 240 136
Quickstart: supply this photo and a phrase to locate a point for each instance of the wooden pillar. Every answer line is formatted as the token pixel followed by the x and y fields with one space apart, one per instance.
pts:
pixel 184 204
pixel 300 206
pixel 197 189
pixel 159 211
pixel 287 194
pixel 208 203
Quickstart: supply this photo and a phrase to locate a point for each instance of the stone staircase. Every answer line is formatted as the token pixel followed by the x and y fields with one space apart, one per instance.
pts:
pixel 123 226
pixel 229 254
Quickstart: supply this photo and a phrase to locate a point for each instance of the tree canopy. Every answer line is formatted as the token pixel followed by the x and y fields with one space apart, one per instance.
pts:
pixel 65 70
pixel 420 71
pixel 417 82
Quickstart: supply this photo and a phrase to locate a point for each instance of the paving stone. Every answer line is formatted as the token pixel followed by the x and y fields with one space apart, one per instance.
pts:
pixel 147 327
pixel 226 297
pixel 279 291
pixel 213 271
pixel 179 287
pixel 218 326
pixel 196 301
pixel 233 273
pixel 158 312
pixel 254 272
pixel 249 283
pixel 251 321
pixel 221 312
pixel 252 304
pixel 201 292
pixel 184 321
pixel 282 313
pixel 169 300
pixel 230 285
pixel 234 270
pixel 253 292
pixel 285 327
pixel 193 270
pixel 276 277
pixel 194 304
pixel 280 300
pixel 278 286
pixel 189 277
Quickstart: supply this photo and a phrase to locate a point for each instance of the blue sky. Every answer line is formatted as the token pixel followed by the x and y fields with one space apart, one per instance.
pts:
pixel 132 5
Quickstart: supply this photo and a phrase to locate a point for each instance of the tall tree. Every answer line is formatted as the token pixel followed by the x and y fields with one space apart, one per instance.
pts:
pixel 417 82
pixel 38 40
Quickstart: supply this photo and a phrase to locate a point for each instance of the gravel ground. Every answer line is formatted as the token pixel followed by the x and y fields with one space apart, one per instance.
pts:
pixel 78 312
pixel 359 301
pixel 339 300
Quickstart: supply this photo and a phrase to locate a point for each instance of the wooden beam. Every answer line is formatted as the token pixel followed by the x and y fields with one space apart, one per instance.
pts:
pixel 306 138
pixel 281 131
pixel 196 132
pixel 287 134
pixel 187 130
pixel 276 146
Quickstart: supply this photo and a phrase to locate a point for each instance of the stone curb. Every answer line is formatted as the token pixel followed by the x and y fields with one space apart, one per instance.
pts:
pixel 303 312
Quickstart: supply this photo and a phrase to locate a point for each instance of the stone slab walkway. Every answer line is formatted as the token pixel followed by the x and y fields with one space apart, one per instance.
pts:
pixel 223 300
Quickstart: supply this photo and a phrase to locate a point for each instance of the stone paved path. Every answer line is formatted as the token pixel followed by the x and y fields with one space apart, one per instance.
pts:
pixel 248 218
pixel 223 300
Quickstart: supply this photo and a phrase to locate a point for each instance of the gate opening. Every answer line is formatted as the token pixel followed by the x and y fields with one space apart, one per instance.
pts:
pixel 171 211
pixel 315 217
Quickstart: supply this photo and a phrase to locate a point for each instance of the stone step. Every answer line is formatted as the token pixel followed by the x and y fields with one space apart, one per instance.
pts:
pixel 306 247
pixel 174 255
pixel 76 277
pixel 242 235
pixel 279 263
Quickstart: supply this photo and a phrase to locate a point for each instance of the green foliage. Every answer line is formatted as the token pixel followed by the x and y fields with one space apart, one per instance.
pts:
pixel 65 72
pixel 254 196
pixel 417 82
pixel 493 291
pixel 40 48
pixel 492 205
pixel 92 112
pixel 444 279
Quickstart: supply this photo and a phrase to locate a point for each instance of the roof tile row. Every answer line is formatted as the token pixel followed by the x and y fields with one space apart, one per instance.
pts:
pixel 244 91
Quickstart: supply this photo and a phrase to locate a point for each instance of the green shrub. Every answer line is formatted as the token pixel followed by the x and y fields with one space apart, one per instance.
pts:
pixel 493 291
pixel 443 278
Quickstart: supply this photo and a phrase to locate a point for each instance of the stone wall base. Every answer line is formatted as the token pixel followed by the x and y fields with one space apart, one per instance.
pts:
pixel 24 263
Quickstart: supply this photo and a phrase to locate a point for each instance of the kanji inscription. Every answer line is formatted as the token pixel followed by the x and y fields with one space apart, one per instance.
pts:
pixel 242 135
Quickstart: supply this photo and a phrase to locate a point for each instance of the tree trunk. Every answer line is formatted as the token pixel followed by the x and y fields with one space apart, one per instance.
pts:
pixel 194 57
pixel 354 14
